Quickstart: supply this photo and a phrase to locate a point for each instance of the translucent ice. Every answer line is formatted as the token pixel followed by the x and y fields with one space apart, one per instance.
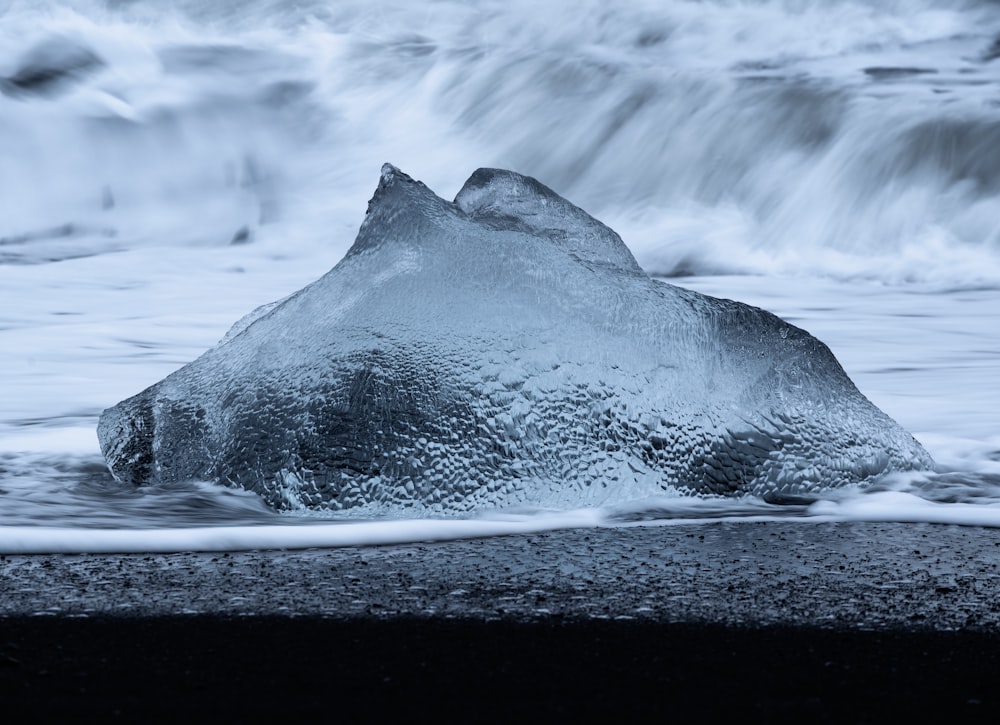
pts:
pixel 502 350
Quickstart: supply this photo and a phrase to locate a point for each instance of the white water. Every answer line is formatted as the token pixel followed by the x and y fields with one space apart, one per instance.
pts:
pixel 744 140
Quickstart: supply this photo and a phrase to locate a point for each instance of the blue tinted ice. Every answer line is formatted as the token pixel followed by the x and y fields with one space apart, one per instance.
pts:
pixel 502 350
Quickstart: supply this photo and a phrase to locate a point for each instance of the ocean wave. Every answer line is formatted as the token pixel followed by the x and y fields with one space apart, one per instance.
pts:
pixel 847 139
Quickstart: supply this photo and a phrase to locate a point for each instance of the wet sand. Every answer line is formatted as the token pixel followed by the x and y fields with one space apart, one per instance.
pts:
pixel 840 621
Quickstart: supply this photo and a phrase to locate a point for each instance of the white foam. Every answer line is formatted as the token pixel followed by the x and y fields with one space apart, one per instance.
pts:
pixel 899 507
pixel 877 507
pixel 49 540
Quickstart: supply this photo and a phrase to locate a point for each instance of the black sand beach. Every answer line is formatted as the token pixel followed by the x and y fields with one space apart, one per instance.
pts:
pixel 760 620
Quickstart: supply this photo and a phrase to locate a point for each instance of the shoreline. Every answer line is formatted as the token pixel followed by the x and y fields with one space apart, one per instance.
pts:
pixel 838 620
pixel 750 573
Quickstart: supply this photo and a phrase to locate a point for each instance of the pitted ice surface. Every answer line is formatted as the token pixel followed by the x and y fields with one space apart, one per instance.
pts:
pixel 504 350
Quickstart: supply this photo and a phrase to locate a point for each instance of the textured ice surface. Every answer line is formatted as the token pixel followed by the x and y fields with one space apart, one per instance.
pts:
pixel 502 350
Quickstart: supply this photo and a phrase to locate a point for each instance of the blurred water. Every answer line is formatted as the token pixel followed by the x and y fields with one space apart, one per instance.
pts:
pixel 840 138
pixel 166 167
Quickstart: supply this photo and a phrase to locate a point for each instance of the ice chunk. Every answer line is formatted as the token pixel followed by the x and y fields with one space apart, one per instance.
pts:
pixel 502 350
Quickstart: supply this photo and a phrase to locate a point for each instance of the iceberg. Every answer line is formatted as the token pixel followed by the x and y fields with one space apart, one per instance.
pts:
pixel 504 350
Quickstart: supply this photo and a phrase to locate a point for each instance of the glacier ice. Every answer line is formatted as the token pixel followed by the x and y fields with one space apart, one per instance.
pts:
pixel 502 350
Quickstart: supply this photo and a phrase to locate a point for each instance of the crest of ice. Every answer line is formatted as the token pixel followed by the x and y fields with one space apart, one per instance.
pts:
pixel 502 350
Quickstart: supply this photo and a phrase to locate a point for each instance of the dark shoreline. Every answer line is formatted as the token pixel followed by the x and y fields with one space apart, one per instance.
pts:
pixel 759 620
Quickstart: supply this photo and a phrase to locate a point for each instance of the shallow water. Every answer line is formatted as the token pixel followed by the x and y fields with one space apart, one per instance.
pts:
pixel 836 163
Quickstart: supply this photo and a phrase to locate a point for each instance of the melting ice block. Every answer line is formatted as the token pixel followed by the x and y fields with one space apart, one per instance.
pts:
pixel 500 350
